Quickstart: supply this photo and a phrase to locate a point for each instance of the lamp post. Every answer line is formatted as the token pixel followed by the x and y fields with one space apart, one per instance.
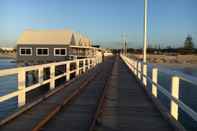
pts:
pixel 145 43
pixel 145 31
pixel 124 37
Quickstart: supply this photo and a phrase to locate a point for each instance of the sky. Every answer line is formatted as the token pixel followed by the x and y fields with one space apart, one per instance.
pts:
pixel 103 21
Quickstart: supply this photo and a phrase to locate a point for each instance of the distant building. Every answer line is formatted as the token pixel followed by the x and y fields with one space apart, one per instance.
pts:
pixel 44 46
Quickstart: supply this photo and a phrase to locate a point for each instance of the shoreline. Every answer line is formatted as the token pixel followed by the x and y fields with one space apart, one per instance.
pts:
pixel 3 58
pixel 170 60
pixel 8 56
pixel 176 65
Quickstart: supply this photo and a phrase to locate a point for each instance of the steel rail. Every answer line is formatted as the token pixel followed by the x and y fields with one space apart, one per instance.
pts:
pixel 66 102
pixel 38 101
pixel 101 102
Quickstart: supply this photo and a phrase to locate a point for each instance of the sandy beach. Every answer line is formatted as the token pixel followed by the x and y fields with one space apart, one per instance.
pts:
pixel 170 60
pixel 176 65
pixel 8 56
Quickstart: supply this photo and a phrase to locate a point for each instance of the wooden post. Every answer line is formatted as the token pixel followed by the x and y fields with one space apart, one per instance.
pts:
pixel 84 65
pixel 21 87
pixel 52 76
pixel 94 62
pixel 135 65
pixel 40 74
pixel 139 70
pixel 132 65
pixel 77 67
pixel 144 76
pixel 175 94
pixel 88 63
pixel 154 79
pixel 101 59
pixel 97 59
pixel 68 71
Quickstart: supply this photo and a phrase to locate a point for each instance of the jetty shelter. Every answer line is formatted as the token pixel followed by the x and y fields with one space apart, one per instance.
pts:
pixel 44 46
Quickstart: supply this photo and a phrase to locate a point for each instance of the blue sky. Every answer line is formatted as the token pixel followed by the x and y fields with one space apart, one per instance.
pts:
pixel 103 21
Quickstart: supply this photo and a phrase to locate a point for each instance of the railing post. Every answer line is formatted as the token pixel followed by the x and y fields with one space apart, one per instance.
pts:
pixel 144 74
pixel 88 63
pixel 101 59
pixel 21 87
pixel 139 70
pixel 93 63
pixel 135 65
pixel 98 60
pixel 127 60
pixel 77 67
pixel 175 94
pixel 84 65
pixel 52 76
pixel 154 79
pixel 132 65
pixel 68 71
pixel 40 74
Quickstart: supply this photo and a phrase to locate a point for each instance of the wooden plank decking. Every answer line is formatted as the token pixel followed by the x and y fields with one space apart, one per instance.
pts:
pixel 127 107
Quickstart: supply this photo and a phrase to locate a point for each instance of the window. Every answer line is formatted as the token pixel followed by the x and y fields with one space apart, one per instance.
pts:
pixel 25 51
pixel 42 51
pixel 60 52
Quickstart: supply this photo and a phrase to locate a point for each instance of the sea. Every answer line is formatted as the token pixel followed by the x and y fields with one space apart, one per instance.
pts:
pixel 188 91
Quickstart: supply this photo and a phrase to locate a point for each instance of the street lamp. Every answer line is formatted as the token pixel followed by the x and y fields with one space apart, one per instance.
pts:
pixel 145 44
pixel 124 37
pixel 145 31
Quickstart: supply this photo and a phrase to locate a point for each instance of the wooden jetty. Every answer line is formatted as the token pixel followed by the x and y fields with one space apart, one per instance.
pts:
pixel 108 97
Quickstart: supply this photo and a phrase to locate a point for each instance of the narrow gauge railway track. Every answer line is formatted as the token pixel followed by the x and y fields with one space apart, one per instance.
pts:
pixel 41 116
pixel 82 112
pixel 102 100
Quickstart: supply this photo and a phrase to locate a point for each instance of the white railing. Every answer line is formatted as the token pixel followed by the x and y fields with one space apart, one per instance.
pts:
pixel 141 74
pixel 81 65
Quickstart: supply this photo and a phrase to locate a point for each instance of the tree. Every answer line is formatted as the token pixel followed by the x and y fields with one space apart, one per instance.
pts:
pixel 168 47
pixel 188 43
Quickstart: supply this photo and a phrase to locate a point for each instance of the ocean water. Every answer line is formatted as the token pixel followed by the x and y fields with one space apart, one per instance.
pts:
pixel 188 92
pixel 7 63
pixel 189 71
pixel 7 84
